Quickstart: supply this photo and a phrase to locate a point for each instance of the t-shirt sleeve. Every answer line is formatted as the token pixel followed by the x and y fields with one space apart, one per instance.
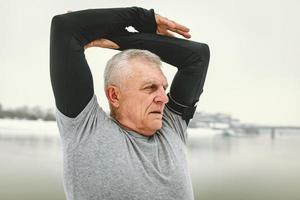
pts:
pixel 176 123
pixel 81 127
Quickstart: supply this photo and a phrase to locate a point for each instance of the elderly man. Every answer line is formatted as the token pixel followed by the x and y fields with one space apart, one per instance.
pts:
pixel 138 151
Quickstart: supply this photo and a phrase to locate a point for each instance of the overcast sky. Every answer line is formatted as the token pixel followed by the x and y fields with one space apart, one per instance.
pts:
pixel 254 72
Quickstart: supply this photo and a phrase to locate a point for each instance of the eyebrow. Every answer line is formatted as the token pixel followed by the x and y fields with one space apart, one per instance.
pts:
pixel 154 83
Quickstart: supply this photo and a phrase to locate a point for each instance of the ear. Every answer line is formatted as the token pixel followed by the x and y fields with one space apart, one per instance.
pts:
pixel 113 95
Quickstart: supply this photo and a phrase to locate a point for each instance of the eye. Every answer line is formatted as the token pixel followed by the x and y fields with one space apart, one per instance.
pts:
pixel 150 87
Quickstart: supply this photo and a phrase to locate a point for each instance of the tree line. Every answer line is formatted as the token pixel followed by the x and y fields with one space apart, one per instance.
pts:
pixel 25 112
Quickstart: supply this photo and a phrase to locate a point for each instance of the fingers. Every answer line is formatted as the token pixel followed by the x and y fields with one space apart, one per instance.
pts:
pixel 168 33
pixel 181 27
pixel 164 26
pixel 88 45
pixel 178 28
pixel 183 33
pixel 165 31
pixel 103 43
pixel 163 21
pixel 109 44
pixel 181 30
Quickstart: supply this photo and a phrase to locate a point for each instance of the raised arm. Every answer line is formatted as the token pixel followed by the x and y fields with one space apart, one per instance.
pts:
pixel 71 78
pixel 191 59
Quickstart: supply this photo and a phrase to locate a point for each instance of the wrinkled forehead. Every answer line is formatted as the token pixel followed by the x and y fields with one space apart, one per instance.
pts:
pixel 141 71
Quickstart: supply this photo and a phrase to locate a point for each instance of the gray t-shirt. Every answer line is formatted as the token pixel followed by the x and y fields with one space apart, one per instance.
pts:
pixel 102 161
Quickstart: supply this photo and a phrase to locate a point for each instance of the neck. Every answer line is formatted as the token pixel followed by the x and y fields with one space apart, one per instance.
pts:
pixel 131 127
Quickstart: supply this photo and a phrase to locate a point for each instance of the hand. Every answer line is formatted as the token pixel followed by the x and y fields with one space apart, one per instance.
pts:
pixel 165 25
pixel 104 43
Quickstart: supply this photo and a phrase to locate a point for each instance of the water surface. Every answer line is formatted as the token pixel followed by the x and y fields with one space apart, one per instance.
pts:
pixel 239 167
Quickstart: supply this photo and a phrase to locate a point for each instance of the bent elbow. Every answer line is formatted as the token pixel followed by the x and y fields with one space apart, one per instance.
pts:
pixel 199 56
pixel 202 52
pixel 58 24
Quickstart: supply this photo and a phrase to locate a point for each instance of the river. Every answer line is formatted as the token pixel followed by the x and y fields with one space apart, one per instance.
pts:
pixel 223 167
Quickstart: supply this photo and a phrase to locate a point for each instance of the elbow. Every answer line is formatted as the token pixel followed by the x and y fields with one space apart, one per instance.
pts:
pixel 63 29
pixel 201 52
pixel 58 32
pixel 58 22
pixel 62 24
pixel 199 56
pixel 66 26
pixel 196 52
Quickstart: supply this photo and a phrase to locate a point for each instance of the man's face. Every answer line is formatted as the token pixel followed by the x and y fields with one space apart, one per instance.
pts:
pixel 143 98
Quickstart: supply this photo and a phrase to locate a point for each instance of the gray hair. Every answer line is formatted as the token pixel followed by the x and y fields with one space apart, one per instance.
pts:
pixel 115 71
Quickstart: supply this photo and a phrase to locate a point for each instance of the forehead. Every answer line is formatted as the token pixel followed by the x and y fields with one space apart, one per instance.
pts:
pixel 143 72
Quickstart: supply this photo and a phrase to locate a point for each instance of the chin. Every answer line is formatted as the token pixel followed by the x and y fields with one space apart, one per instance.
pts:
pixel 156 126
pixel 152 128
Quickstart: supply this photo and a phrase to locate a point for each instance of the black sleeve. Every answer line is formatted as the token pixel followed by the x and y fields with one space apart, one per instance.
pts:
pixel 71 78
pixel 191 59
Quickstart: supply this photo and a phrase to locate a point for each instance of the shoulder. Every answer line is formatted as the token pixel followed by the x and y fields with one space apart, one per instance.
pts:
pixel 174 123
pixel 91 118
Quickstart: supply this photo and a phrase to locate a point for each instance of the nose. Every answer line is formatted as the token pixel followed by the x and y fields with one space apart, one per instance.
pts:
pixel 161 96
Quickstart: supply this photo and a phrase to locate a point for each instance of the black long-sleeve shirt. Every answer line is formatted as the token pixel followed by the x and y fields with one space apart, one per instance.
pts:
pixel 71 77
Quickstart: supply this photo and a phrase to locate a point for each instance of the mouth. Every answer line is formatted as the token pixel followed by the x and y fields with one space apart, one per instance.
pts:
pixel 156 112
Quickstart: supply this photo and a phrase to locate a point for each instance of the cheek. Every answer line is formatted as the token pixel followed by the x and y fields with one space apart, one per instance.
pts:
pixel 136 109
pixel 140 109
pixel 147 104
pixel 138 106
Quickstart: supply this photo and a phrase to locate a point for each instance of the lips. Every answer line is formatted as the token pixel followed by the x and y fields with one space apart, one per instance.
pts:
pixel 156 112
